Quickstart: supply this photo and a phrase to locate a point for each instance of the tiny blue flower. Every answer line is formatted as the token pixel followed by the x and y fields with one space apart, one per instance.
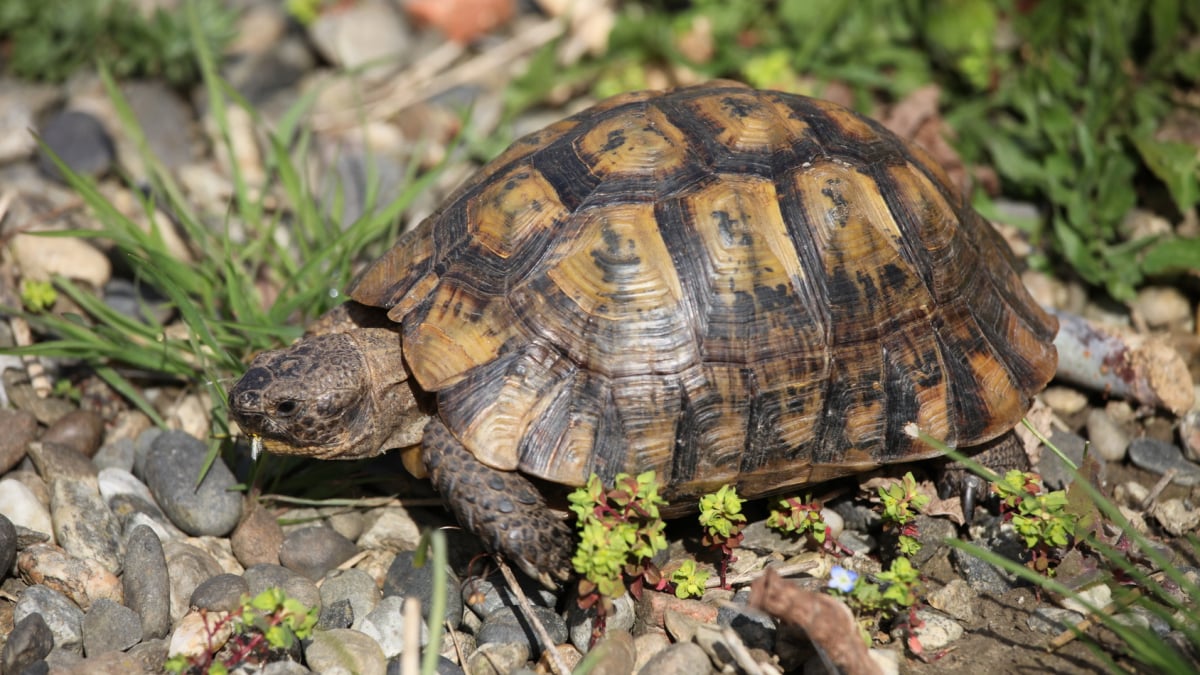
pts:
pixel 842 579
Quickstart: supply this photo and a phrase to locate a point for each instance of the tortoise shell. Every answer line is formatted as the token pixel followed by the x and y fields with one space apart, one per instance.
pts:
pixel 723 285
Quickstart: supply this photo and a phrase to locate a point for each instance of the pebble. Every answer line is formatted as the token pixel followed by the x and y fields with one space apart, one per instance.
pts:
pixel 20 429
pixel 1064 400
pixel 300 588
pixel 756 630
pixel 83 524
pixel 582 622
pixel 506 627
pixel 20 104
pixel 138 302
pixel 79 140
pixel 982 576
pixel 222 593
pixel 615 654
pixel 483 596
pixel 46 263
pixel 8 545
pixel 653 607
pixel 79 430
pixel 1099 596
pixel 343 650
pixel 498 658
pixel 385 624
pixel 1107 438
pixel 1052 620
pixel 349 524
pixel 64 619
pixel 1175 516
pixel 127 497
pixel 681 657
pixel 1158 457
pixel 115 455
pixel 759 538
pixel 315 550
pixel 353 587
pixel 390 528
pixel 187 567
pixel 257 538
pixel 29 642
pixel 336 614
pixel 165 120
pixel 1189 434
pixel 646 646
pixel 146 582
pixel 406 580
pixel 937 632
pixel 54 461
pixel 83 581
pixel 1055 474
pixel 931 533
pixel 172 466
pixel 956 598
pixel 1163 307
pixel 369 33
pixel 109 626
pixel 198 632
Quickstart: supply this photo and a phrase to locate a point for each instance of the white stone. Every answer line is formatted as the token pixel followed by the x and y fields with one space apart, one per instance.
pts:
pixel 42 257
pixel 21 506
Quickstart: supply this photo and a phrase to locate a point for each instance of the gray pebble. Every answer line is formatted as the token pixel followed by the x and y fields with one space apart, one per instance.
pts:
pixel 138 302
pixel 146 582
pixel 762 539
pixel 261 577
pixel 406 580
pixel 1109 441
pixel 1189 435
pixel 508 625
pixel 285 667
pixel 116 455
pixel 222 593
pixel 982 576
pixel 354 587
pixel 79 140
pixel 29 642
pixel 108 626
pixel 1158 457
pixel 1052 620
pixel 61 615
pixel 754 628
pixel 1055 474
pixel 313 551
pixel 956 598
pixel 336 614
pixel 498 658
pixel 83 524
pixel 444 666
pixel 931 533
pixel 174 463
pixel 141 449
pixel 187 567
pixel 8 546
pixel 936 630
pixel 581 622
pixel 127 497
pixel 20 429
pixel 681 657
pixel 615 653
pixel 54 461
pixel 80 430
pixel 346 651
pixel 483 596
pixel 385 624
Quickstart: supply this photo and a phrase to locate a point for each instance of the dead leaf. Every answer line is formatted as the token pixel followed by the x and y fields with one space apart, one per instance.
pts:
pixel 463 21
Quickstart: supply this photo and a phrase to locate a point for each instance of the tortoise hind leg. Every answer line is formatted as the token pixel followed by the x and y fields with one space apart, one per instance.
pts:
pixel 1001 455
pixel 503 508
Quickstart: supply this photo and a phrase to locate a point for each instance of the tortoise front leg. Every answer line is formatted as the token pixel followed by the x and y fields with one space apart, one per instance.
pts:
pixel 1001 455
pixel 502 507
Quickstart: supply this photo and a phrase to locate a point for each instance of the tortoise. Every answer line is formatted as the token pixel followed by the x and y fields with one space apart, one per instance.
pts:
pixel 720 284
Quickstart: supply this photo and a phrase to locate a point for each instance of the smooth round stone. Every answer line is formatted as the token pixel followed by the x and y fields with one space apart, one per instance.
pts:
pixel 20 429
pixel 141 303
pixel 582 622
pixel 83 581
pixel 23 508
pixel 616 654
pixel 354 587
pixel 83 524
pixel 79 140
pixel 483 596
pixel 173 464
pixel 128 497
pixel 346 651
pixel 385 624
pixel 1052 620
pixel 54 462
pixel 116 455
pixel 498 658
pixel 60 614
pixel 313 551
pixel 1054 473
pixel 261 577
pixel 222 593
pixel 1108 440
pixel 79 430
pixel 8 545
pixel 1189 435
pixel 258 538
pixel 937 632
pixel 108 626
pixel 1158 457
pixel 146 582
pixel 444 666
pixel 29 642
pixel 187 567
pixel 681 657
pixel 141 449
pixel 503 626
pixel 406 580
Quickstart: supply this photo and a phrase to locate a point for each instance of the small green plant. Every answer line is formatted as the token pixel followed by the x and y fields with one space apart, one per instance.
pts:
pixel 689 580
pixel 268 621
pixel 38 296
pixel 901 503
pixel 1041 518
pixel 722 519
pixel 801 517
pixel 619 532
pixel 896 591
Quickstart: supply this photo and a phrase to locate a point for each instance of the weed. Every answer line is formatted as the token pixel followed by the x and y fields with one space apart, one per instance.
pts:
pixel 722 519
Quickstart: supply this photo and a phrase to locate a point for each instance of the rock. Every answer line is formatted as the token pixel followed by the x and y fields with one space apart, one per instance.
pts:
pixel 1175 516
pixel 1055 474
pixel 146 582
pixel 385 624
pixel 20 429
pixel 368 33
pixel 139 302
pixel 127 497
pixel 299 588
pixel 406 580
pixel 23 508
pixel 313 551
pixel 681 657
pixel 1189 434
pixel 498 658
pixel 187 567
pixel 115 455
pixel 83 525
pixel 1064 400
pixel 931 533
pixel 349 524
pixel 199 632
pixel 353 587
pixel 8 545
pixel 1158 457
pixel 652 608
pixel 79 430
pixel 507 625
pixel 956 598
pixel 390 528
pixel 222 593
pixel 581 622
pixel 1107 438
pixel 173 464
pixel 54 461
pixel 79 140
pixel 165 120
pixel 345 651
pixel 484 596
pixel 615 654
pixel 83 581
pixel 1163 307
pixel 934 630
pixel 648 645
pixel 30 641
pixel 1052 620
pixel 21 103
pixel 108 626
pixel 258 537
pixel 336 614
pixel 756 630
pixel 64 619
pixel 762 539
pixel 983 577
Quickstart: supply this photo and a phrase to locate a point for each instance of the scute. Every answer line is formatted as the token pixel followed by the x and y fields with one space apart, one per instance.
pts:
pixel 720 284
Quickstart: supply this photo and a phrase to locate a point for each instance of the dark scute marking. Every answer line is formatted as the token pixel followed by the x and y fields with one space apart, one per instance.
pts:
pixel 739 107
pixel 773 298
pixel 831 442
pixel 871 298
pixel 968 402
pixel 762 425
pixel 609 449
pixel 685 459
pixel 570 177
pixel 902 407
pixel 843 293
pixel 614 262
pixel 616 138
pixel 893 276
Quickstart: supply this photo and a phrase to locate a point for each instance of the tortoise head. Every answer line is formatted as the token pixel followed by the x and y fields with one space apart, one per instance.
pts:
pixel 333 396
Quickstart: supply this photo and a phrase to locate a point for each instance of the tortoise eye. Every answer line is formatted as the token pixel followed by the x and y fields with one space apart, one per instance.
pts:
pixel 287 407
